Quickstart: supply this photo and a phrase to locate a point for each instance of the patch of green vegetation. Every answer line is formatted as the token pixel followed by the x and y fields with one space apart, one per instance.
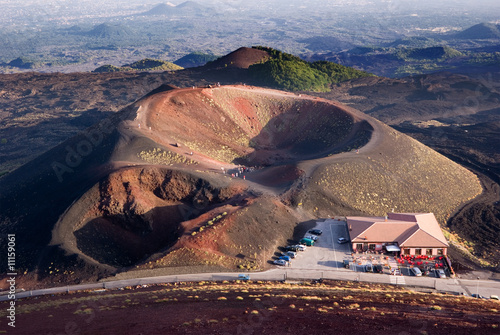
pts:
pixel 414 42
pixel 415 69
pixel 363 50
pixel 195 59
pixel 108 68
pixel 484 58
pixel 289 75
pixel 146 64
pixel 438 53
pixel 337 73
pixel 289 72
pixel 153 65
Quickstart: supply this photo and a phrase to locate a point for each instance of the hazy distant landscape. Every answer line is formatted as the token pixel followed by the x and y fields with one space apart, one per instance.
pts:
pixel 377 36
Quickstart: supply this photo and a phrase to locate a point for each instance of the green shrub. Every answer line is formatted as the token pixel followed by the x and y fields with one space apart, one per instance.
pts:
pixel 286 71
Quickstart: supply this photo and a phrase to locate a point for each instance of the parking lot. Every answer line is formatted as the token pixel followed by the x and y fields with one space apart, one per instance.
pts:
pixel 327 253
pixel 325 260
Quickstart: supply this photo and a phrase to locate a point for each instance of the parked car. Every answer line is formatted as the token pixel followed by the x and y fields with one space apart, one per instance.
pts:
pixel 300 247
pixel 280 262
pixel 345 262
pixel 311 237
pixel 440 273
pixel 307 241
pixel 316 231
pixel 378 268
pixel 474 295
pixel 416 271
pixel 342 240
pixel 243 277
pixel 291 248
pixel 369 268
pixel 291 254
pixel 494 297
pixel 286 258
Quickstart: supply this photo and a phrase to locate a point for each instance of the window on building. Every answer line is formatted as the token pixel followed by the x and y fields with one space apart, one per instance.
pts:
pixel 440 252
pixel 371 246
pixel 359 246
pixel 406 251
pixel 418 252
pixel 428 252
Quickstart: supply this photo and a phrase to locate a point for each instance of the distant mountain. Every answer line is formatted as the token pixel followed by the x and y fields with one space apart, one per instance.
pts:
pixel 195 59
pixel 481 31
pixel 109 31
pixel 413 42
pixel 190 5
pixel 161 9
pixel 241 58
pixel 185 8
pixel 432 53
pixel 22 63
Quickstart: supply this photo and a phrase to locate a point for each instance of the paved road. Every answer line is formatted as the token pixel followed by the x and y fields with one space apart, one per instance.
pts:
pixel 485 287
pixel 324 260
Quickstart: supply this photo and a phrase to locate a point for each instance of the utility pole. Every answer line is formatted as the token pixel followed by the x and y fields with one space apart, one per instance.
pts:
pixel 477 288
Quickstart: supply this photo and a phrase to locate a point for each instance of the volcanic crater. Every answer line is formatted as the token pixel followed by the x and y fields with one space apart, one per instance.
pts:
pixel 252 127
pixel 217 178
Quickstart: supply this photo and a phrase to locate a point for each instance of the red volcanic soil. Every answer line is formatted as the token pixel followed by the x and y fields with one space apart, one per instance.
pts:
pixel 211 177
pixel 241 58
pixel 256 308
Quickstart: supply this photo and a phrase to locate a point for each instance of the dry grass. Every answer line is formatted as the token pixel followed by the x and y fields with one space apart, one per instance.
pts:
pixel 403 177
pixel 162 157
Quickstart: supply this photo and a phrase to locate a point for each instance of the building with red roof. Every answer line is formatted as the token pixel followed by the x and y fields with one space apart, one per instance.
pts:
pixel 410 233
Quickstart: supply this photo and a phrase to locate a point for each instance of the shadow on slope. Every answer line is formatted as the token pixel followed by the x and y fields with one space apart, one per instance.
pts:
pixel 307 130
pixel 135 212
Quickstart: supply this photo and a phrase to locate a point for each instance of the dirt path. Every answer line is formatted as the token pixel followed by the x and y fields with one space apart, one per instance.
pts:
pixel 144 125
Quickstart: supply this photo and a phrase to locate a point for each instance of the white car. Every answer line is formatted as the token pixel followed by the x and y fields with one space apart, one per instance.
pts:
pixel 440 273
pixel 416 272
pixel 342 240
pixel 280 262
pixel 300 247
